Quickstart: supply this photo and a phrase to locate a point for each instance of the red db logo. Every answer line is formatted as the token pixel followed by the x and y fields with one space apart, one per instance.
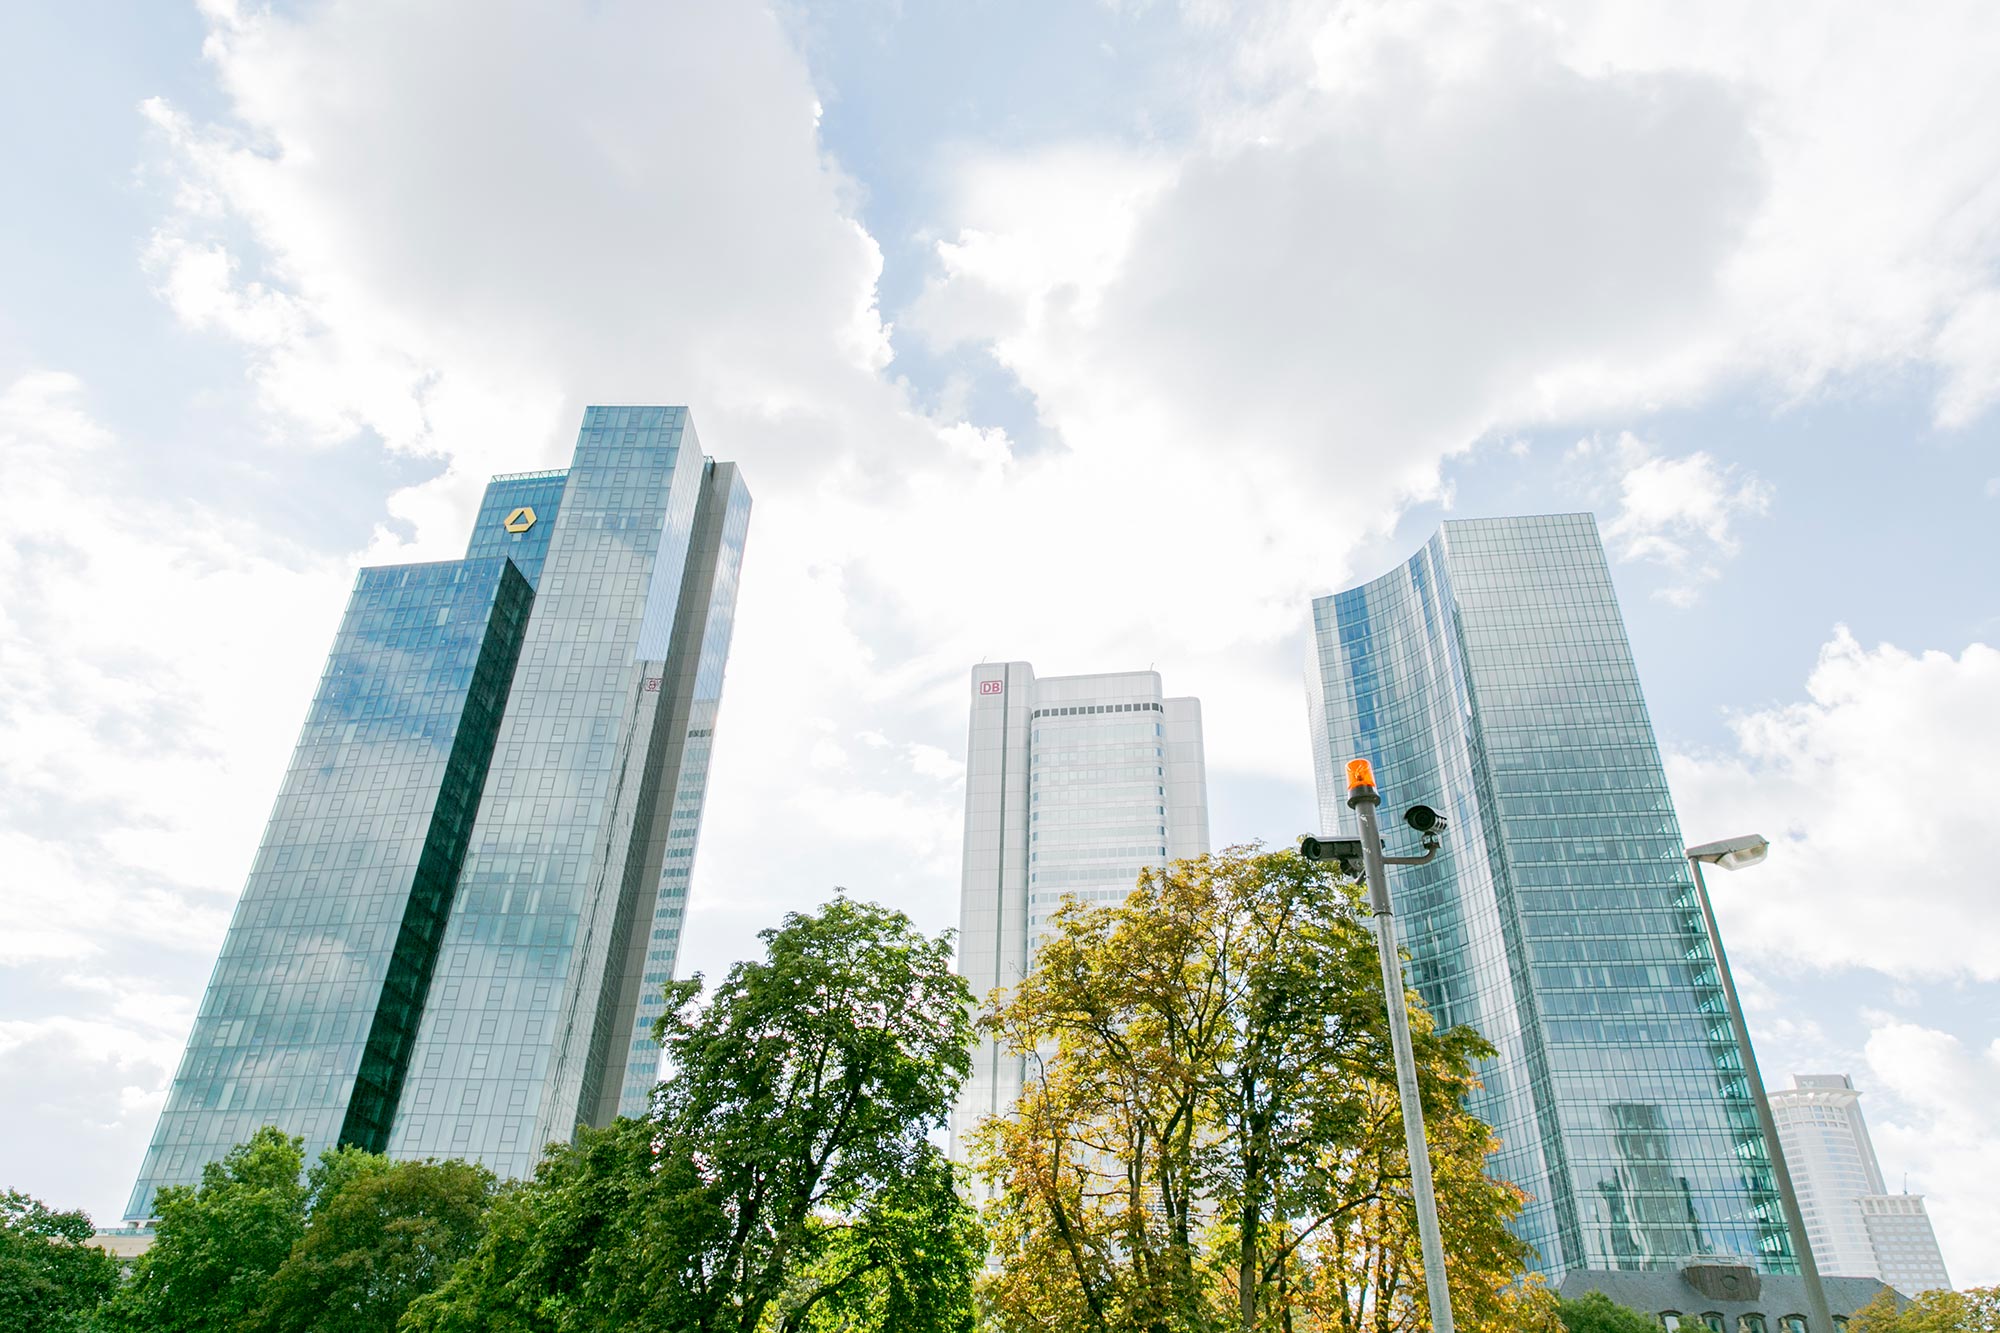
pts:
pixel 992 687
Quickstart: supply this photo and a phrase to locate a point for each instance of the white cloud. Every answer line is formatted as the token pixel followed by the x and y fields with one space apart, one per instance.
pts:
pixel 1395 229
pixel 1939 1096
pixel 1878 792
pixel 81 1093
pixel 1968 348
pixel 1679 513
pixel 1403 225
pixel 151 656
pixel 1338 286
pixel 453 225
pixel 1875 243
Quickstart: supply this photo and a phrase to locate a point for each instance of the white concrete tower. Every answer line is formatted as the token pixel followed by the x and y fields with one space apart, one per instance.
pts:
pixel 1073 784
pixel 1858 1228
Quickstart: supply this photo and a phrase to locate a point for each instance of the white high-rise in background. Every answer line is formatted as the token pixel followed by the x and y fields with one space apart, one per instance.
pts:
pixel 1073 784
pixel 1833 1166
pixel 1858 1228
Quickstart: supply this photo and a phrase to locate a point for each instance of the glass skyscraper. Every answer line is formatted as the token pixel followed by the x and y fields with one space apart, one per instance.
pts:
pixel 1073 784
pixel 453 936
pixel 1490 677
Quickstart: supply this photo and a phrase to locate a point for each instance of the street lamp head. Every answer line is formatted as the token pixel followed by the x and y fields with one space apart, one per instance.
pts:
pixel 1731 853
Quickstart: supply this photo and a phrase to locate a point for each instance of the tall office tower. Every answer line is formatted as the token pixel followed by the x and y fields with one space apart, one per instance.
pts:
pixel 1858 1228
pixel 1073 784
pixel 453 935
pixel 1490 677
pixel 1906 1249
pixel 1833 1164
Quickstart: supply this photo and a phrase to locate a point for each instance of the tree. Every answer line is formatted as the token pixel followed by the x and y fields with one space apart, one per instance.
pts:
pixel 1973 1311
pixel 1212 1138
pixel 380 1235
pixel 905 1262
pixel 541 1239
pixel 218 1244
pixel 1594 1312
pixel 51 1276
pixel 784 1179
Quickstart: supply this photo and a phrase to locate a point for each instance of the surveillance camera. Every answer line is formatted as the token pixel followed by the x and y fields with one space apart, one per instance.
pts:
pixel 1424 820
pixel 1344 851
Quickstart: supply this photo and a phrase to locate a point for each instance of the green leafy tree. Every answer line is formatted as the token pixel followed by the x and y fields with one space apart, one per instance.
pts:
pixel 784 1180
pixel 547 1240
pixel 336 1167
pixel 1594 1312
pixel 380 1235
pixel 1973 1311
pixel 906 1261
pixel 219 1244
pixel 51 1276
pixel 1212 1138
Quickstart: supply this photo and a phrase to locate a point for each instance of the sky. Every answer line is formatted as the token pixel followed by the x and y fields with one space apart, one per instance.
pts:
pixel 1096 335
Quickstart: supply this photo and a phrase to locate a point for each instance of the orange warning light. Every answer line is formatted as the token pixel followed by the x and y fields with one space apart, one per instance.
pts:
pixel 1360 773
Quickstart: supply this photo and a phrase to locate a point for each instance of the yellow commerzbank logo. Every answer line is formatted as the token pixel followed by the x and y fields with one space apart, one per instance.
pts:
pixel 520 520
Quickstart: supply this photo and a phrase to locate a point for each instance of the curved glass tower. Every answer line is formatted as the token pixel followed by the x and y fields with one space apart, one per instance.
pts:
pixel 1490 676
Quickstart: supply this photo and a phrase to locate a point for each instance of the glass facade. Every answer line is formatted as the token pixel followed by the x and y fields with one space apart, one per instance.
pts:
pixel 1074 784
pixel 309 1015
pixel 503 529
pixel 700 649
pixel 431 954
pixel 1490 677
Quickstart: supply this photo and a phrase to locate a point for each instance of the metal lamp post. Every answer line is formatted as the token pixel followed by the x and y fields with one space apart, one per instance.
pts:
pixel 1734 854
pixel 1363 799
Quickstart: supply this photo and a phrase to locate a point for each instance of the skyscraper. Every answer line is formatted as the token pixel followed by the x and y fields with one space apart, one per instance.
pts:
pixel 1490 677
pixel 453 935
pixel 1858 1228
pixel 1833 1164
pixel 1073 784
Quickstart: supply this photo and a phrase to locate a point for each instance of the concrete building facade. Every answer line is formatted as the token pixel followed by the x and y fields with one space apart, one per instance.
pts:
pixel 1073 785
pixel 1857 1227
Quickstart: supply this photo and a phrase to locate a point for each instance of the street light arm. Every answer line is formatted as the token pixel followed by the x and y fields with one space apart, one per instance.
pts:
pixel 1749 851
